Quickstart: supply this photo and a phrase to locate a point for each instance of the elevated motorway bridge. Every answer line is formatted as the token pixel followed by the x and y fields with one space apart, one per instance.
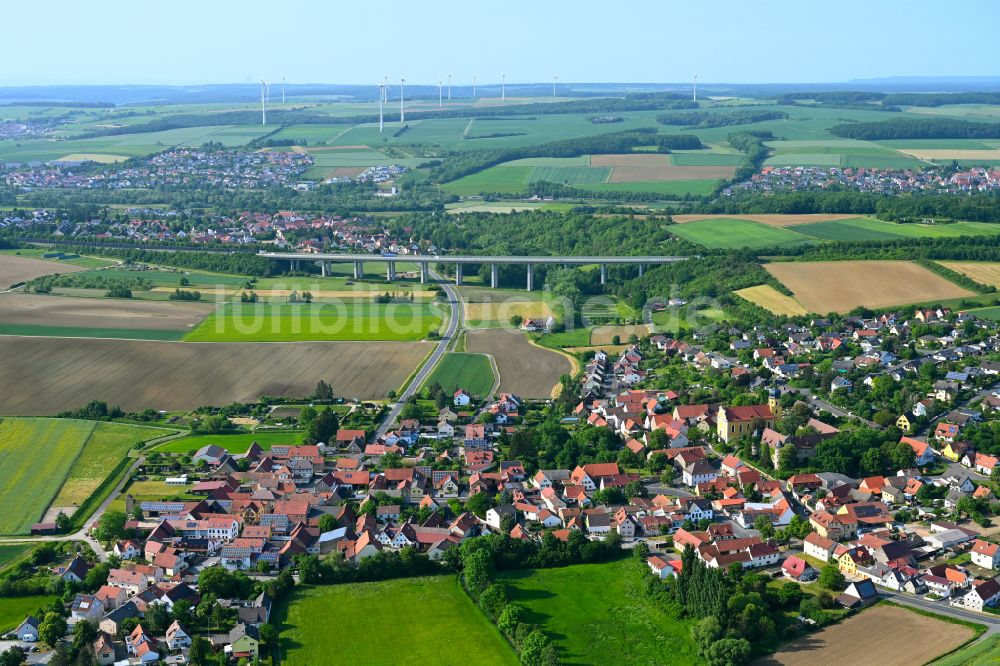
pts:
pixel 425 260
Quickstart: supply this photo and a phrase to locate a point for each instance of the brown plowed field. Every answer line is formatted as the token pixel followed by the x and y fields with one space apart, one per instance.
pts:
pixel 525 370
pixel 638 167
pixel 39 310
pixel 14 269
pixel 41 376
pixel 883 635
pixel 772 220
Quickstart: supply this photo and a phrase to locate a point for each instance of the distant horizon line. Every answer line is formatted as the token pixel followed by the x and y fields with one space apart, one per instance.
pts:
pixel 491 82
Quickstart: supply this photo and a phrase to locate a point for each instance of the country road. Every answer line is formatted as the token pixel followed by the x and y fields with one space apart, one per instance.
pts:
pixel 454 299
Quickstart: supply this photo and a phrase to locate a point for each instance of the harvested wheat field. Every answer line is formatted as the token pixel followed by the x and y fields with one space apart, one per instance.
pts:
pixel 771 220
pixel 57 311
pixel 983 272
pixel 841 286
pixel 50 375
pixel 771 299
pixel 502 311
pixel 603 335
pixel 525 369
pixel 15 269
pixel 884 635
pixel 346 172
pixel 638 167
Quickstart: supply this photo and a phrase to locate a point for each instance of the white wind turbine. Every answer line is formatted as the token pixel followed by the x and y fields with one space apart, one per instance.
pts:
pixel 401 82
pixel 385 88
pixel 381 95
pixel 694 89
pixel 503 87
pixel 440 83
pixel 263 103
pixel 555 79
pixel 282 90
pixel 449 87
pixel 473 86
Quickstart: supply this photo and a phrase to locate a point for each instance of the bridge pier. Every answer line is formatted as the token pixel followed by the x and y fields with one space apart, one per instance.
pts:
pixel 531 278
pixel 458 275
pixel 359 270
pixel 425 272
pixel 642 268
pixel 604 273
pixel 294 265
pixel 494 276
pixel 324 267
pixel 390 271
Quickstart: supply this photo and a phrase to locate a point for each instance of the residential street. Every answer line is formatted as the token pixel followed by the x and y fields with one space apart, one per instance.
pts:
pixel 454 301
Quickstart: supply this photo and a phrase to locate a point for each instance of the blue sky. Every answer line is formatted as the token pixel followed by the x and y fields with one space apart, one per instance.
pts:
pixel 733 41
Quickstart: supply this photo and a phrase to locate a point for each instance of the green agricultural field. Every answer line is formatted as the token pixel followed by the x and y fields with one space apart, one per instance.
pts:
pixel 235 443
pixel 472 372
pixel 424 620
pixel 36 456
pixel 991 313
pixel 13 610
pixel 979 653
pixel 571 175
pixel 600 614
pixel 705 159
pixel 864 228
pixel 728 233
pixel 106 447
pixel 39 253
pixel 506 179
pixel 86 332
pixel 699 187
pixel 343 320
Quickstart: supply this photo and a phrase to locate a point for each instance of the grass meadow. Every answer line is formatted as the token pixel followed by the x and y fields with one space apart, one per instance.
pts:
pixel 234 443
pixel 424 621
pixel 13 610
pixel 458 370
pixel 600 614
pixel 105 448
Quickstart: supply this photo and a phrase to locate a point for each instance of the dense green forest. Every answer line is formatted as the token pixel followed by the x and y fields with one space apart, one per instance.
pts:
pixel 906 128
pixel 981 207
pixel 705 119
pixel 340 198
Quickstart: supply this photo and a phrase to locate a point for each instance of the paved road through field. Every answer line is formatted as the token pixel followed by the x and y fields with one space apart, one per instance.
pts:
pixel 425 371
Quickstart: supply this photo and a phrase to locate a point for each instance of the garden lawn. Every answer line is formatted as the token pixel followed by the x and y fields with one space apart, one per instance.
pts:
pixel 36 456
pixel 727 233
pixel 421 621
pixel 344 320
pixel 600 614
pixel 234 443
pixel 13 610
pixel 471 372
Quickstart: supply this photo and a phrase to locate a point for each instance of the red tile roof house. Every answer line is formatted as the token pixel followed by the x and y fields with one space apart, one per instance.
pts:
pixel 985 554
pixel 794 567
pixel 663 568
